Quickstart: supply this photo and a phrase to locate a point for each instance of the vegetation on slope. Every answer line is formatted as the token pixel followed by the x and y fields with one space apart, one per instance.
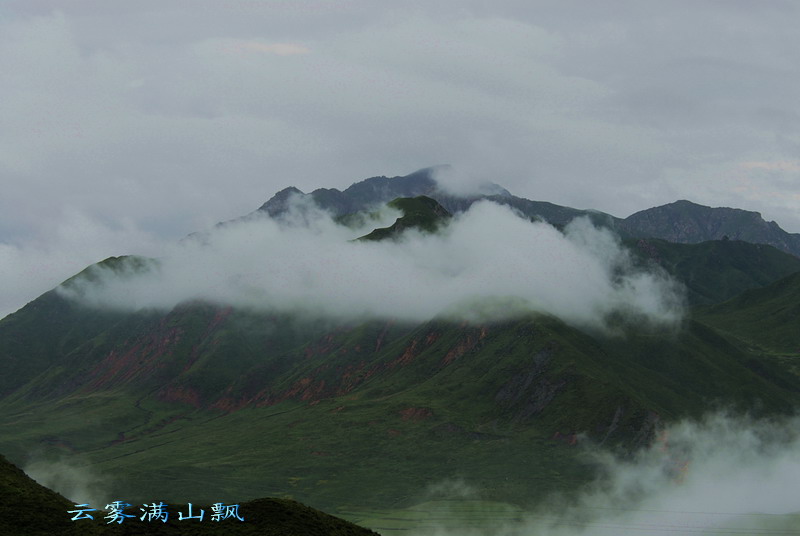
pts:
pixel 717 270
pixel 238 403
pixel 29 509
pixel 768 317
pixel 422 213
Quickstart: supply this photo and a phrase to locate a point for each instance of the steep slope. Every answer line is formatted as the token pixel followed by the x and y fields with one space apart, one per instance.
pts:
pixel 422 213
pixel 29 509
pixel 687 222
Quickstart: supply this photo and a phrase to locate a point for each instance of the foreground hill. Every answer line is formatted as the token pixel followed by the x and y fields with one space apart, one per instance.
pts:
pixel 30 509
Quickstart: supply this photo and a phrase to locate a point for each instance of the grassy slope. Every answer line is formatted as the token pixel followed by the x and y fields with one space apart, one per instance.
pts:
pixel 767 319
pixel 483 402
pixel 205 402
pixel 717 270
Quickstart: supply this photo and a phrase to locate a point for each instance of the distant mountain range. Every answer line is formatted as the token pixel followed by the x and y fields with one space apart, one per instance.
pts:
pixel 681 222
pixel 205 401
pixel 689 223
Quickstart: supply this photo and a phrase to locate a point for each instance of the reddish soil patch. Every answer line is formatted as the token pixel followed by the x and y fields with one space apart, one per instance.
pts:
pixel 465 345
pixel 416 414
pixel 569 439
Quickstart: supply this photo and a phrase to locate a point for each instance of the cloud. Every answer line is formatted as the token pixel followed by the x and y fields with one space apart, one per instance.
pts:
pixel 279 49
pixel 464 182
pixel 489 263
pixel 72 479
pixel 136 112
pixel 71 241
pixel 722 474
pixel 779 165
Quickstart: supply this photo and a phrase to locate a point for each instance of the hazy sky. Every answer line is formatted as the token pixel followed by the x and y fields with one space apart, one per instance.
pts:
pixel 130 124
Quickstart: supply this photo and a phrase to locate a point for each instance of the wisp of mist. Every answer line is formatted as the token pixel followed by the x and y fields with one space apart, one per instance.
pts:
pixel 723 474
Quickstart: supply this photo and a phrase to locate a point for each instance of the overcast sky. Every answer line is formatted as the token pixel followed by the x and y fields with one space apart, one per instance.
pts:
pixel 126 125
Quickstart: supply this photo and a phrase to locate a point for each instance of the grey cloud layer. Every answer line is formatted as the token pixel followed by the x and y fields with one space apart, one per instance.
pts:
pixel 488 263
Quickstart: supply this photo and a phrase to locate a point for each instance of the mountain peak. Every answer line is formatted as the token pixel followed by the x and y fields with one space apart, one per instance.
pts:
pixel 682 221
pixel 358 196
pixel 419 212
pixel 688 222
pixel 279 202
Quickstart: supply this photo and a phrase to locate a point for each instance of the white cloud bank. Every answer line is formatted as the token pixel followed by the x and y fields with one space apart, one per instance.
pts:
pixel 72 240
pixel 488 263
pixel 721 475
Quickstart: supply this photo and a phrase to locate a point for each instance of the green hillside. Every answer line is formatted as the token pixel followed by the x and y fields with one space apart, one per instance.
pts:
pixel 422 213
pixel 339 421
pixel 717 270
pixel 768 318
pixel 205 403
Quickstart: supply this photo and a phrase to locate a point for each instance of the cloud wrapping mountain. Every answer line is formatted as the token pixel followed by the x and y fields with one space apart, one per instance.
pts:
pixel 489 263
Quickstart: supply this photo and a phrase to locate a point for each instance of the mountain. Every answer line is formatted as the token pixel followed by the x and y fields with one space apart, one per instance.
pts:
pixel 690 223
pixel 767 318
pixel 204 401
pixel 376 191
pixel 679 222
pixel 422 213
pixel 338 419
pixel 358 197
pixel 335 414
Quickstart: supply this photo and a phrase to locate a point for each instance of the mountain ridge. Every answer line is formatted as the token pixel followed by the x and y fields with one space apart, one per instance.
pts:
pixel 682 221
pixel 208 381
pixel 685 222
